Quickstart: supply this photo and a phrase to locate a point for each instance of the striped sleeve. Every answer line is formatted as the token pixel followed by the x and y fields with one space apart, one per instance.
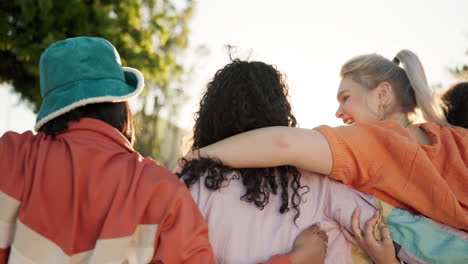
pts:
pixel 12 156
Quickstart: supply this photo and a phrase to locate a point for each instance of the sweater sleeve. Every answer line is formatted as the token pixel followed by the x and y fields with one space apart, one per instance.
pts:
pixel 13 151
pixel 360 152
pixel 13 157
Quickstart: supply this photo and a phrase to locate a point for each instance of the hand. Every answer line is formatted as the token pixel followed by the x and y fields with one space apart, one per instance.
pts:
pixel 310 246
pixel 196 154
pixel 188 157
pixel 180 165
pixel 381 251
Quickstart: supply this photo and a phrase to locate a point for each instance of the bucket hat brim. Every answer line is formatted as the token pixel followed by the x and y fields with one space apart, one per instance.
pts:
pixel 84 92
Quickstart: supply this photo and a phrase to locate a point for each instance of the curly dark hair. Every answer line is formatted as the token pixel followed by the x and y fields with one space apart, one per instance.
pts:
pixel 456 105
pixel 243 96
pixel 117 115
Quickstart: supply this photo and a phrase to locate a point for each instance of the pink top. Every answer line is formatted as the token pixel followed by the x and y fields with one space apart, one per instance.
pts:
pixel 241 233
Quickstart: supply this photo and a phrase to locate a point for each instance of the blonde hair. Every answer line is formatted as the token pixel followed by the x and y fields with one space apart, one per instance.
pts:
pixel 409 82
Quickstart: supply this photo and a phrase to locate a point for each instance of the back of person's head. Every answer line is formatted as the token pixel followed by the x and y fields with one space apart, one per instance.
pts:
pixel 243 96
pixel 118 115
pixel 83 77
pixel 408 81
pixel 455 104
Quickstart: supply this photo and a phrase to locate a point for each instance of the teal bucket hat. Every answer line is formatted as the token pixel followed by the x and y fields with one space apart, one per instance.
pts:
pixel 80 71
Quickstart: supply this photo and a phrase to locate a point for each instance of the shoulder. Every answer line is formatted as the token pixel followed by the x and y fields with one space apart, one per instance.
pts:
pixel 363 129
pixel 154 173
pixel 385 132
pixel 213 191
pixel 15 151
pixel 11 137
pixel 446 133
pixel 455 130
pixel 158 188
pixel 207 183
pixel 15 144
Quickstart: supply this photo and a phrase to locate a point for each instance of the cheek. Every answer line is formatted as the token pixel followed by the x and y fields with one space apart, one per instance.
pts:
pixel 350 108
pixel 371 108
pixel 357 110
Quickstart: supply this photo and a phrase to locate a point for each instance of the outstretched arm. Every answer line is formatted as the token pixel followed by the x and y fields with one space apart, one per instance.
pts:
pixel 273 146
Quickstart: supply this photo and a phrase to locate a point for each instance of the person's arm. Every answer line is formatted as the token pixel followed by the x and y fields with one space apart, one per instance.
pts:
pixel 13 149
pixel 270 147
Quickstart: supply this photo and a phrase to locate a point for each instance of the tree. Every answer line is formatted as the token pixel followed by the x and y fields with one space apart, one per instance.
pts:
pixel 160 137
pixel 150 35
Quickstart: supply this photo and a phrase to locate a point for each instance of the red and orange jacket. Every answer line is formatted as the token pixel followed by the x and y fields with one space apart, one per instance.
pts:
pixel 86 196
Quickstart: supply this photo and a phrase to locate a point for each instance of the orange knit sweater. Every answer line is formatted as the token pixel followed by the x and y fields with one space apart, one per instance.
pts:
pixel 386 161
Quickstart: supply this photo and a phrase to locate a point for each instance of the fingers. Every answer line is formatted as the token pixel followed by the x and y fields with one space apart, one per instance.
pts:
pixel 323 235
pixel 386 237
pixel 348 236
pixel 355 224
pixel 180 165
pixel 315 228
pixel 369 237
pixel 370 224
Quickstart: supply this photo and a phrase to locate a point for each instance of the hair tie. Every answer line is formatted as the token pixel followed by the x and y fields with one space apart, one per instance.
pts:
pixel 396 61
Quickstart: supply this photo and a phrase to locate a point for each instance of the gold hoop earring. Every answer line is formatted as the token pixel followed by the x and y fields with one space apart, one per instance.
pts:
pixel 381 109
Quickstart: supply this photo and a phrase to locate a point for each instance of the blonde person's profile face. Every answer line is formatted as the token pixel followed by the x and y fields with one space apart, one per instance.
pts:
pixel 356 103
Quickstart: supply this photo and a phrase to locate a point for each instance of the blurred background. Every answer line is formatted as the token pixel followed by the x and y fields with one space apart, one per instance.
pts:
pixel 180 44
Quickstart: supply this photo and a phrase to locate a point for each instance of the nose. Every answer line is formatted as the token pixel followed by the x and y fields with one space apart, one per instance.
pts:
pixel 339 112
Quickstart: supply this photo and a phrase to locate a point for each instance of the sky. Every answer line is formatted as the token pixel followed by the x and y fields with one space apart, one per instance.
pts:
pixel 308 41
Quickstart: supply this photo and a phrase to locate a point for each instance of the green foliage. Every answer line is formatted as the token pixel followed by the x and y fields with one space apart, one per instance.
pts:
pixel 147 33
pixel 150 35
pixel 460 72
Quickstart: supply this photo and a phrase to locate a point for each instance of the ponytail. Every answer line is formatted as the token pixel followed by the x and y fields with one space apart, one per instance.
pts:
pixel 424 95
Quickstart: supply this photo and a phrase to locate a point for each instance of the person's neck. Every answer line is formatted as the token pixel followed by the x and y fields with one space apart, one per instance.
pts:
pixel 413 129
pixel 402 119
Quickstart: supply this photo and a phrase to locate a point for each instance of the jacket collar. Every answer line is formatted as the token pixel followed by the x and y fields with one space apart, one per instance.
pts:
pixel 100 129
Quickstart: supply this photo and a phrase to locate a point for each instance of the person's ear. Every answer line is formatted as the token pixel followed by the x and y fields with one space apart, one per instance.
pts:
pixel 385 91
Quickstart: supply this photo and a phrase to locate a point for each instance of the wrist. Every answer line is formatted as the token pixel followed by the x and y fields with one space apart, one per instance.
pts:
pixel 201 153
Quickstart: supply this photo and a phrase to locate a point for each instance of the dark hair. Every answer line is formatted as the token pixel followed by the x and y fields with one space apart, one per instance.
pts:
pixel 243 96
pixel 455 106
pixel 117 115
